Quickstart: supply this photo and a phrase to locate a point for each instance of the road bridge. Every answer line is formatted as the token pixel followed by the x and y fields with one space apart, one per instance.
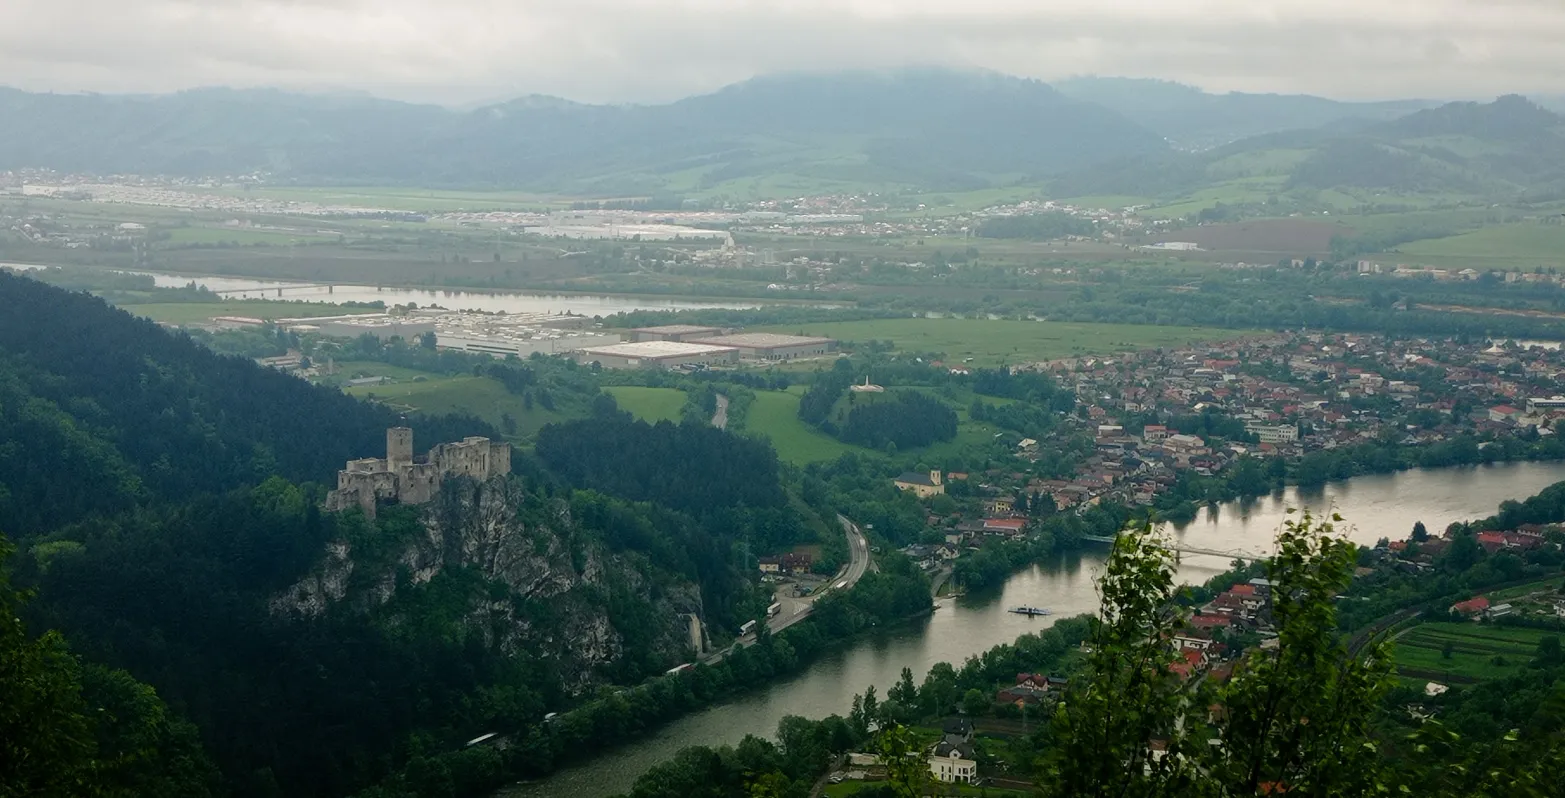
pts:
pixel 276 290
pixel 1232 554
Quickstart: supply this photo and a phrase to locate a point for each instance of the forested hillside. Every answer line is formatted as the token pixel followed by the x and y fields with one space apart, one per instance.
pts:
pixel 105 410
pixel 1507 149
pixel 165 505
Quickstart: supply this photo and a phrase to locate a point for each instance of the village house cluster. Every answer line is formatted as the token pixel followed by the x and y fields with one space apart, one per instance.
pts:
pixel 1284 396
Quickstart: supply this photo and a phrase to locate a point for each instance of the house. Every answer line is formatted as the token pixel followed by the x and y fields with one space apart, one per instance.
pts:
pixel 1559 608
pixel 1000 504
pixel 1195 641
pixel 769 565
pixel 1208 622
pixel 1502 413
pixel 1029 690
pixel 1471 607
pixel 1500 611
pixel 957 730
pixel 953 763
pixel 922 485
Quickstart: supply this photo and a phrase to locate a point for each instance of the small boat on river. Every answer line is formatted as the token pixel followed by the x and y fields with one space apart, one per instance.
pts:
pixel 1031 612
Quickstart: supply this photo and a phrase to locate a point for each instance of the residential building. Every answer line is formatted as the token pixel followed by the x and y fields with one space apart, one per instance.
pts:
pixel 1281 433
pixel 953 763
pixel 1471 607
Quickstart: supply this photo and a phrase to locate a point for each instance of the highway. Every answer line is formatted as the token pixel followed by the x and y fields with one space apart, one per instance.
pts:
pixel 797 608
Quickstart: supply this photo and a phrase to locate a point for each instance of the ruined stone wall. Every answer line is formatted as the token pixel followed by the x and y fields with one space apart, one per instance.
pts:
pixel 364 482
pixel 417 483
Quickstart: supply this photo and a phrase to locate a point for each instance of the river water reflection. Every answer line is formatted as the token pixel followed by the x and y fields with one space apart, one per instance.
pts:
pixel 1376 506
pixel 453 299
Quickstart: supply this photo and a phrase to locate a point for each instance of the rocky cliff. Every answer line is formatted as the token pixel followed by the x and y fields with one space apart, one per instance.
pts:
pixel 532 581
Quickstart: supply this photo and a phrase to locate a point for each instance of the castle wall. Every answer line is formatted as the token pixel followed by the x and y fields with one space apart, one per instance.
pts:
pixel 367 481
pixel 418 483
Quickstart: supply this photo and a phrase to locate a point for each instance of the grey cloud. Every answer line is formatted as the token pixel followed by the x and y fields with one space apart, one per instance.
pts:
pixel 456 51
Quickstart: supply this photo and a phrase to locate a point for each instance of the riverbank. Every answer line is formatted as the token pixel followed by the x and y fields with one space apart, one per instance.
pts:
pixel 1376 506
pixel 272 282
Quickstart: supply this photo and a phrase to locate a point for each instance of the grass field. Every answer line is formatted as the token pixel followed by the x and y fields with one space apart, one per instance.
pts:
pixel 994 342
pixel 193 312
pixel 220 235
pixel 775 414
pixel 649 404
pixel 481 396
pixel 1510 247
pixel 1474 649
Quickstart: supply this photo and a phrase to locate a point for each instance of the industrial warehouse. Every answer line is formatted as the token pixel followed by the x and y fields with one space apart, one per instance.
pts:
pixel 673 332
pixel 770 346
pixel 658 355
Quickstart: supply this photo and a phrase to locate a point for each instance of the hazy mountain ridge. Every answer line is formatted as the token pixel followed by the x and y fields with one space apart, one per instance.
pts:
pixel 930 127
pixel 1507 149
pixel 1193 119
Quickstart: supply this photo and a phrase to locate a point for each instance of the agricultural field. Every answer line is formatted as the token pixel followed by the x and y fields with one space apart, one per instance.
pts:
pixel 1274 236
pixel 649 404
pixel 480 396
pixel 993 342
pixel 1478 652
pixel 1514 247
pixel 243 237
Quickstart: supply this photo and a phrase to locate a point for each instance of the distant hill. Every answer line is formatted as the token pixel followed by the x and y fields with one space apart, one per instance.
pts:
pixel 1509 149
pixel 1192 119
pixel 927 128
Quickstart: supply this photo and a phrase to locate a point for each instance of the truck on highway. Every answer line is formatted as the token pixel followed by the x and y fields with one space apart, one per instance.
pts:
pixel 774 609
pixel 840 585
pixel 748 627
pixel 678 669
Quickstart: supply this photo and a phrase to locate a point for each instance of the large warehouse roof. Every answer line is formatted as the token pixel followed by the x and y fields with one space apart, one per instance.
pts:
pixel 676 329
pixel 656 350
pixel 762 340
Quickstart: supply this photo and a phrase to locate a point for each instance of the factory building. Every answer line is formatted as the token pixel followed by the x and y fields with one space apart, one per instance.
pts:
pixel 381 326
pixel 658 355
pixel 523 347
pixel 673 332
pixel 770 346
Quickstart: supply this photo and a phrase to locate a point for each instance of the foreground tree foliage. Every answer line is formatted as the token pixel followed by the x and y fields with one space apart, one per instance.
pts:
pixel 72 730
pixel 1300 717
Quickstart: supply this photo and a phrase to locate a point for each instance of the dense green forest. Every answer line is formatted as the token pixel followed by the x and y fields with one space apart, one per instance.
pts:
pixel 106 411
pixel 173 567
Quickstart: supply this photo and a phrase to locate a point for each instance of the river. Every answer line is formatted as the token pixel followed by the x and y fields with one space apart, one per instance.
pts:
pixel 451 299
pixel 1375 506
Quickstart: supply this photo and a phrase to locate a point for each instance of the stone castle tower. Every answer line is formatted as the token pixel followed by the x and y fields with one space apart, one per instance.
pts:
pixel 406 479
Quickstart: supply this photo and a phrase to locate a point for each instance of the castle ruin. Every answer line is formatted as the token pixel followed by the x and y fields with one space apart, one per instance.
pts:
pixel 406 479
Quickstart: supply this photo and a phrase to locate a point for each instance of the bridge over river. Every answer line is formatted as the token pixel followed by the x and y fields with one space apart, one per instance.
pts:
pixel 1232 554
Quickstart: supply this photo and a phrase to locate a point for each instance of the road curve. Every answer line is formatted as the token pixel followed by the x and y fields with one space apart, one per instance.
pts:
pixel 797 609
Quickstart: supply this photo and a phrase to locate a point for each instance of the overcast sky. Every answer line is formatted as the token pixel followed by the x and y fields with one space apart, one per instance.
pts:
pixel 462 51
